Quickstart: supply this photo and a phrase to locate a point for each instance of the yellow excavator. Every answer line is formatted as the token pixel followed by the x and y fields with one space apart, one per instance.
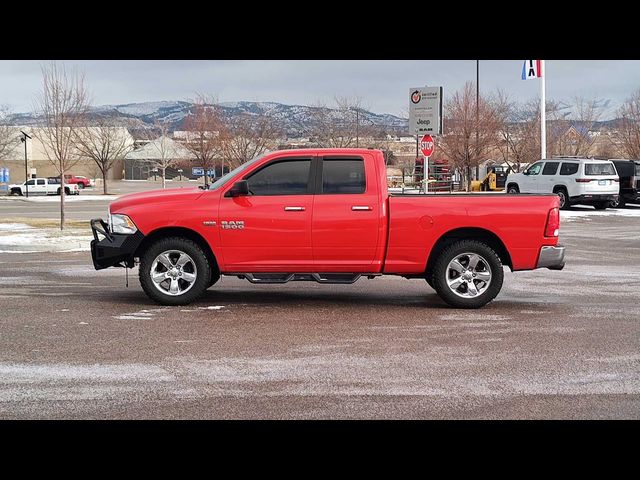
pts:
pixel 493 182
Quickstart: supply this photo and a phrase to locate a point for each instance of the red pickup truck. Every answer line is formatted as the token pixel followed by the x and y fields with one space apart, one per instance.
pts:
pixel 325 215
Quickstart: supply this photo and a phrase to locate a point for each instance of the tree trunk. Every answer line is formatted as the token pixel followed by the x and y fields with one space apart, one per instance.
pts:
pixel 62 197
pixel 104 182
pixel 164 181
pixel 468 179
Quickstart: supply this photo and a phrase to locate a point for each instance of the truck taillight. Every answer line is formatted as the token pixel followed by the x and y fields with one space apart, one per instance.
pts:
pixel 583 180
pixel 553 223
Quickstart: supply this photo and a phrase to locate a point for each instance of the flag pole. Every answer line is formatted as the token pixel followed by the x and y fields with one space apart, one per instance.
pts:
pixel 543 112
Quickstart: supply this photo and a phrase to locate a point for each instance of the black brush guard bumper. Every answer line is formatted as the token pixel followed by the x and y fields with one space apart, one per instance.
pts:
pixel 114 249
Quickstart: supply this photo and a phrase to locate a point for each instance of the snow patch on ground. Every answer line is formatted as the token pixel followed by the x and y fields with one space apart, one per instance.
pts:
pixel 139 315
pixel 587 213
pixel 21 238
pixel 56 199
pixel 14 227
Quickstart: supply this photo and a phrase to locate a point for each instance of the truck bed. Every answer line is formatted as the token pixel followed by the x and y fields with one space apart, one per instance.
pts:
pixel 418 221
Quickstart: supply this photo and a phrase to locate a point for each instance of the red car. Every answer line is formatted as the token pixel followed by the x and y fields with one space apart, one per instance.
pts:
pixel 325 215
pixel 81 181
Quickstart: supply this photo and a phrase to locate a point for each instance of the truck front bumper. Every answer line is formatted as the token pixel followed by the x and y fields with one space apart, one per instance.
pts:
pixel 551 258
pixel 114 249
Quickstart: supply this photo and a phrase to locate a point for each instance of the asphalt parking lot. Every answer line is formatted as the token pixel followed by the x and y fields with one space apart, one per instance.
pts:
pixel 76 343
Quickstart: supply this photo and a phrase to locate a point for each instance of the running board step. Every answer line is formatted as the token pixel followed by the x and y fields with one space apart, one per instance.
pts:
pixel 343 278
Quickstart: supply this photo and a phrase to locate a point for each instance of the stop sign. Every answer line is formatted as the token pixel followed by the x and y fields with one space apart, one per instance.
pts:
pixel 427 145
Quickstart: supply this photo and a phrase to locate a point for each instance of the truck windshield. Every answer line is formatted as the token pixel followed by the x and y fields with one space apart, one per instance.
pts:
pixel 599 169
pixel 225 178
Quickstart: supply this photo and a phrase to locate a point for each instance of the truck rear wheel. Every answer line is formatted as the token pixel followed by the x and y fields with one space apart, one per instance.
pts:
pixel 468 274
pixel 174 271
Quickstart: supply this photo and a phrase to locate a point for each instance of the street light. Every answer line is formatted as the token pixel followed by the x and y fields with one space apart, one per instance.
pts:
pixel 23 139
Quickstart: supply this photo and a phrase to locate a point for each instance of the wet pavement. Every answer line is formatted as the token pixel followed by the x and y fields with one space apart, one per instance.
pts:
pixel 75 343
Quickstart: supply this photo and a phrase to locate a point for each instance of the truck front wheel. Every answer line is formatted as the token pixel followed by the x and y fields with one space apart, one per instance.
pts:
pixel 468 274
pixel 174 271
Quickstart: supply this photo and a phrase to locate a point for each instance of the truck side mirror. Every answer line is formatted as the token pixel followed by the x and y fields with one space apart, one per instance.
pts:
pixel 239 189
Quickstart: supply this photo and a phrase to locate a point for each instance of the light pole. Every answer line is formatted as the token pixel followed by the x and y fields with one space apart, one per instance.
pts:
pixel 23 139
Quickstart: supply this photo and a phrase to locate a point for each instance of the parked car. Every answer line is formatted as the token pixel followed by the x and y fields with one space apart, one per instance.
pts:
pixel 629 173
pixel 325 215
pixel 79 180
pixel 575 180
pixel 42 186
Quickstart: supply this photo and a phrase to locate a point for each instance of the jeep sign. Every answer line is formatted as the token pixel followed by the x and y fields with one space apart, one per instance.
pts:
pixel 425 110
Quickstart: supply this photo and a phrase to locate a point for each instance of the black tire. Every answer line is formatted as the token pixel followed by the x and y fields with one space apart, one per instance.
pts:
pixel 80 185
pixel 564 198
pixel 601 205
pixel 513 189
pixel 203 274
pixel 440 275
pixel 59 189
pixel 67 191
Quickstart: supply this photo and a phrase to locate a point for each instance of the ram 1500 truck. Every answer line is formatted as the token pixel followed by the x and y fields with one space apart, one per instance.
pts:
pixel 325 215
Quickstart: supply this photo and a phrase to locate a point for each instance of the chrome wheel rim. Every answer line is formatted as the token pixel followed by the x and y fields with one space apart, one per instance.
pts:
pixel 468 275
pixel 173 273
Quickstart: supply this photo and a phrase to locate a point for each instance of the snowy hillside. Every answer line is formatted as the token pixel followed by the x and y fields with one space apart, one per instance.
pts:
pixel 295 120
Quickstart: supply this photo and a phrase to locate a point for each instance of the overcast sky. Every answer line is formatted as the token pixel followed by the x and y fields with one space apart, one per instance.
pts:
pixel 383 85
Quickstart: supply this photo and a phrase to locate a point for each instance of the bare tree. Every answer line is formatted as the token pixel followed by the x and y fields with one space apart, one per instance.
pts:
pixel 105 142
pixel 627 133
pixel 519 135
pixel 61 105
pixel 248 136
pixel 8 138
pixel 572 132
pixel 164 152
pixel 341 126
pixel 459 140
pixel 205 133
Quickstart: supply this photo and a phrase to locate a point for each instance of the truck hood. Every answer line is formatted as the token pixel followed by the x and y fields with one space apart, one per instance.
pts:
pixel 174 195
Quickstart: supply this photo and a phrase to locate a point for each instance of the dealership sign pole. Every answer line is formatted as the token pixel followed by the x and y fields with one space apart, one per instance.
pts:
pixel 425 118
pixel 536 69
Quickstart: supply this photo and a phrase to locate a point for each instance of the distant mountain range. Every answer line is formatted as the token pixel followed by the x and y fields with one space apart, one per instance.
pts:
pixel 294 120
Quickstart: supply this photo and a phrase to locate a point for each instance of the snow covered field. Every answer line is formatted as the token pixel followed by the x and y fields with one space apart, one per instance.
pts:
pixel 23 238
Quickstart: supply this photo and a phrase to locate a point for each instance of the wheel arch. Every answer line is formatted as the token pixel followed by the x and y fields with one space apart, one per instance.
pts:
pixel 192 235
pixel 512 184
pixel 469 233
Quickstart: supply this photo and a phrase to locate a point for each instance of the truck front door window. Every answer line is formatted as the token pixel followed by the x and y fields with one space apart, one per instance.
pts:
pixel 281 178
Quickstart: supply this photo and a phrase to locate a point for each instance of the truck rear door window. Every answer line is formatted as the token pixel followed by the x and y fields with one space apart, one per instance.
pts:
pixel 550 168
pixel 569 168
pixel 599 169
pixel 281 178
pixel 343 176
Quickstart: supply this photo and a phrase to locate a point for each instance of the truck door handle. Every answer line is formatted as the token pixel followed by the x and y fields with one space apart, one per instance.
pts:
pixel 357 208
pixel 294 209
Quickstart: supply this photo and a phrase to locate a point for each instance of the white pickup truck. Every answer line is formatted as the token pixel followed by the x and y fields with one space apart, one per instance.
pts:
pixel 43 186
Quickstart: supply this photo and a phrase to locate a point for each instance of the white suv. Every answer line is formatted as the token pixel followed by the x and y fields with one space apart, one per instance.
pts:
pixel 575 180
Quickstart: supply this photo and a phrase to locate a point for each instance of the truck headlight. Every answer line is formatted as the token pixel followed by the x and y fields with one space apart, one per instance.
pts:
pixel 122 224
